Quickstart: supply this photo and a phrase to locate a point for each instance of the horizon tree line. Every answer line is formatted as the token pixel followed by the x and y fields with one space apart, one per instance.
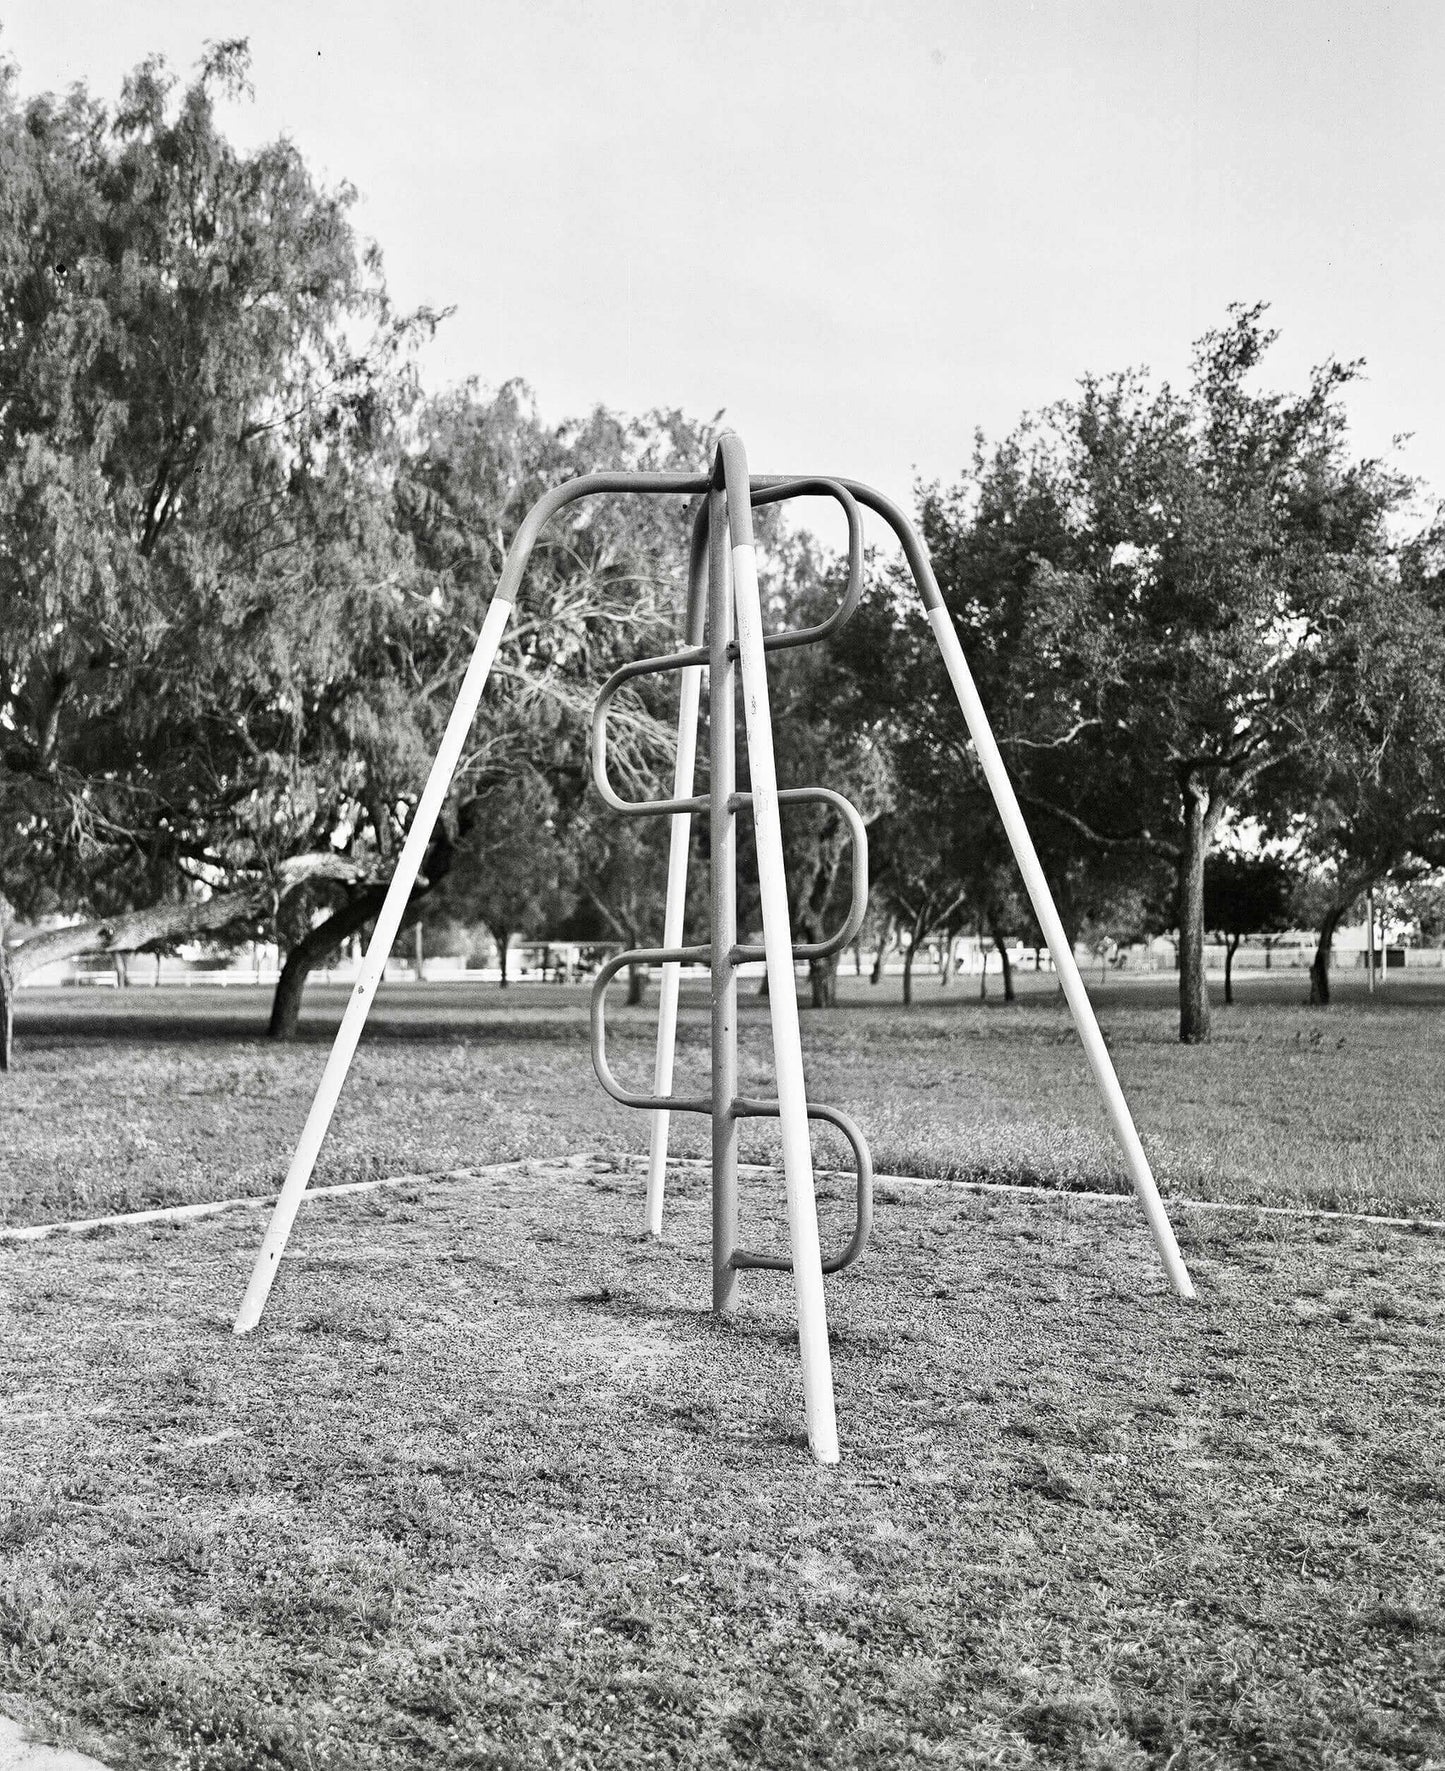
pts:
pixel 244 555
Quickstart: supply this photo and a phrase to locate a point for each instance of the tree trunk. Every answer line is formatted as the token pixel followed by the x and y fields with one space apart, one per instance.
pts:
pixel 636 985
pixel 823 979
pixel 1008 971
pixel 885 947
pixel 982 967
pixel 1229 951
pixel 7 1003
pixel 914 938
pixel 502 943
pixel 163 925
pixel 857 959
pixel 319 944
pixel 1193 994
pixel 1320 965
pixel 946 962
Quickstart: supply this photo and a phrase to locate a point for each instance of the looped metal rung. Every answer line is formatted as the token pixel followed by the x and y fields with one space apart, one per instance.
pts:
pixel 719 800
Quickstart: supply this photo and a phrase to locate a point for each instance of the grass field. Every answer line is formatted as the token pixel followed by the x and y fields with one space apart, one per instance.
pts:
pixel 489 1489
pixel 138 1098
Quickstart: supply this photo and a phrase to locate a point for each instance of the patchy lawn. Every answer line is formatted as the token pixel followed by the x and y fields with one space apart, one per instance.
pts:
pixel 138 1098
pixel 490 1489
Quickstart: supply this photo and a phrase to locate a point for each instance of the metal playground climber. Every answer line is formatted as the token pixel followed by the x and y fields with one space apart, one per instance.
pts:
pixel 725 638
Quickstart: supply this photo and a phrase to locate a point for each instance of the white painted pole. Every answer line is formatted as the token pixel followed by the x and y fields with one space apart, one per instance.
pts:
pixel 783 1007
pixel 672 932
pixel 1136 1162
pixel 387 923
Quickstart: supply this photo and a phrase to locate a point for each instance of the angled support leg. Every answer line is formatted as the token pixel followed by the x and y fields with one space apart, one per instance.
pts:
pixel 677 856
pixel 423 822
pixel 1040 897
pixel 782 990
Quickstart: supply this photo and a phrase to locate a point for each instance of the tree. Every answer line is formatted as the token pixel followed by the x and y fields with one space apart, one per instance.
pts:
pixel 199 371
pixel 1363 796
pixel 917 871
pixel 1420 901
pixel 824 735
pixel 1135 575
pixel 234 614
pixel 1245 895
pixel 512 872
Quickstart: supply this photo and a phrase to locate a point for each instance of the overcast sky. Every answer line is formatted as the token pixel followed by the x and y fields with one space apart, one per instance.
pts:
pixel 863 229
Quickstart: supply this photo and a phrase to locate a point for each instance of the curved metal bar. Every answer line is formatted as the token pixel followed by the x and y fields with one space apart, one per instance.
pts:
pixel 853 593
pixel 772 490
pixel 995 770
pixel 913 550
pixel 598 1027
pixel 630 808
pixel 858 908
pixel 863 1165
pixel 585 486
pixel 759 487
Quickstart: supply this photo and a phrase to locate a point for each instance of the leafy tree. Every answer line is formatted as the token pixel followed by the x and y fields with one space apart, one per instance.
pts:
pixel 1363 796
pixel 1136 575
pixel 513 872
pixel 198 371
pixel 607 584
pixel 233 616
pixel 1245 895
pixel 825 735
pixel 917 871
pixel 1420 900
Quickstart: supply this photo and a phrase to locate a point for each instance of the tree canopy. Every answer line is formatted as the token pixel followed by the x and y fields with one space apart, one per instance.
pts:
pixel 1143 579
pixel 244 561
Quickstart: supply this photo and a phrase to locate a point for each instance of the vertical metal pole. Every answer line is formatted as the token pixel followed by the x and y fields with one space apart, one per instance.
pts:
pixel 1370 940
pixel 807 1259
pixel 722 780
pixel 675 913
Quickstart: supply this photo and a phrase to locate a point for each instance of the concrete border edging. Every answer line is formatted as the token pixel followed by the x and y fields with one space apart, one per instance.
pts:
pixel 1018 1189
pixel 20 1751
pixel 210 1207
pixel 632 1159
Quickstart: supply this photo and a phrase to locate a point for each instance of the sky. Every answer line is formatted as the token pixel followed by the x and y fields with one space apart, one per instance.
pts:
pixel 862 230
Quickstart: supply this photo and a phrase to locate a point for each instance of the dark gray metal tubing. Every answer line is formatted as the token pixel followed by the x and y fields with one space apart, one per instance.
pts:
pixel 913 551
pixel 863 1164
pixel 590 485
pixel 853 593
pixel 722 780
pixel 644 667
pixel 586 486
pixel 858 908
pixel 774 492
pixel 598 1025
